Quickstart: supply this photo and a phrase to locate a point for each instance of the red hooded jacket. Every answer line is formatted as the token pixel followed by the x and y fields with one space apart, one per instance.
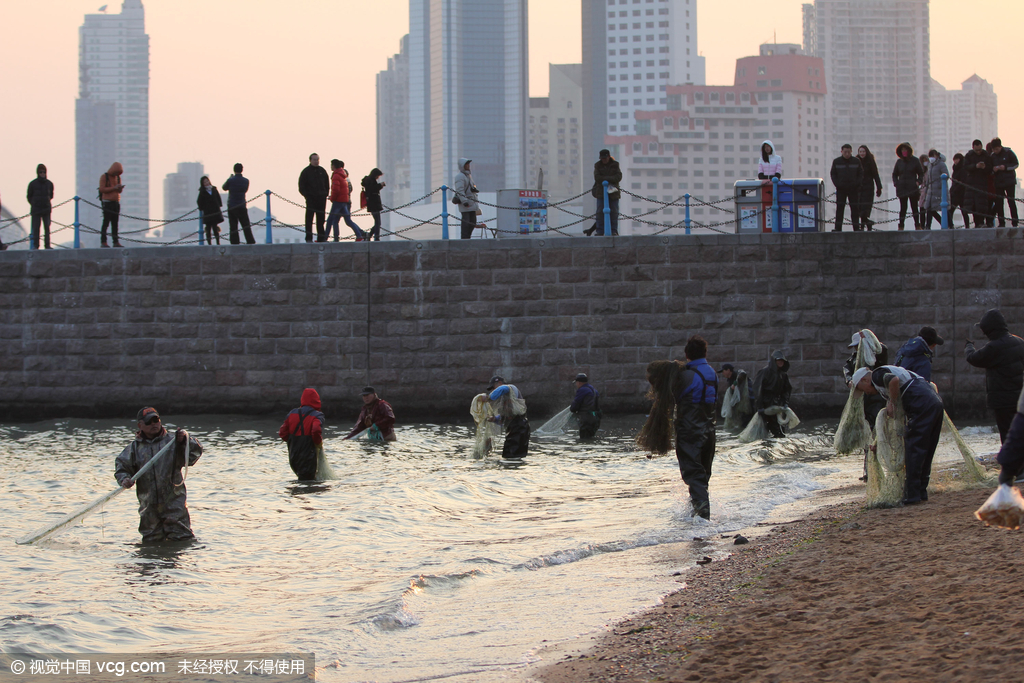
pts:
pixel 312 421
pixel 339 186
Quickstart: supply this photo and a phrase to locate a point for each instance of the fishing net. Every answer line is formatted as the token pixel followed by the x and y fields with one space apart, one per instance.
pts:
pixel 486 432
pixel 887 471
pixel 729 402
pixel 1004 508
pixel 323 468
pixel 973 471
pixel 755 431
pixel 786 417
pixel 854 432
pixel 556 425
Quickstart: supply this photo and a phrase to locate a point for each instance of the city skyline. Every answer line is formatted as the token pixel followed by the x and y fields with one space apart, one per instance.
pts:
pixel 216 97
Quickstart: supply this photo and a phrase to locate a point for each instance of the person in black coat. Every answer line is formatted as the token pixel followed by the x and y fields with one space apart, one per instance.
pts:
pixel 957 189
pixel 209 203
pixel 978 168
pixel 1011 456
pixel 1004 171
pixel 773 388
pixel 847 174
pixel 870 187
pixel 372 187
pixel 907 176
pixel 1003 361
pixel 40 196
pixel 315 185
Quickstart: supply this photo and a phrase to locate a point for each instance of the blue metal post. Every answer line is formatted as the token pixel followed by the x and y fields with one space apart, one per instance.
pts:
pixel 776 210
pixel 78 226
pixel 201 228
pixel 270 233
pixel 686 220
pixel 607 211
pixel 444 212
pixel 945 203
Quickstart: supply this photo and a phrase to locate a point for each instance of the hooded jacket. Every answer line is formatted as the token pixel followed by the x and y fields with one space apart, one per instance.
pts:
pixel 110 181
pixel 772 386
pixel 847 174
pixel 303 430
pixel 932 199
pixel 1008 178
pixel 339 186
pixel 465 191
pixel 39 195
pixel 916 356
pixel 611 172
pixel 1003 361
pixel 372 186
pixel 908 173
pixel 771 166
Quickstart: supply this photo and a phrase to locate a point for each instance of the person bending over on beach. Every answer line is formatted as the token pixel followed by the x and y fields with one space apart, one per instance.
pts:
pixel 510 413
pixel 772 388
pixel 1011 456
pixel 924 411
pixel 586 406
pixel 163 511
pixel 377 416
pixel 692 388
pixel 303 429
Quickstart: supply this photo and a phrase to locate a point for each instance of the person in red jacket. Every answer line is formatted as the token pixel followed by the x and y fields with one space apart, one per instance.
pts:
pixel 303 429
pixel 377 416
pixel 341 201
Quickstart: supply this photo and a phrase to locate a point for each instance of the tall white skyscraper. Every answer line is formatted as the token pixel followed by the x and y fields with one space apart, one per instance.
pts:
pixel 555 132
pixel 468 92
pixel 112 110
pixel 877 65
pixel 961 116
pixel 632 52
pixel 393 129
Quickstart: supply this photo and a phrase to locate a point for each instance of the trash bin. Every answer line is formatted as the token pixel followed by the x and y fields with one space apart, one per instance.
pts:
pixel 800 204
pixel 522 213
pixel 753 203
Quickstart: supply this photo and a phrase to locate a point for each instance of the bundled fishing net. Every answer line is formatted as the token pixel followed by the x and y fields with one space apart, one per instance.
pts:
pixel 854 432
pixel 755 431
pixel 887 472
pixel 556 425
pixel 486 432
pixel 323 468
pixel 1004 508
pixel 787 418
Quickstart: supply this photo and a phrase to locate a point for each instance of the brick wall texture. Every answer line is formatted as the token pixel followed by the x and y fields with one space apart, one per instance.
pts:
pixel 243 329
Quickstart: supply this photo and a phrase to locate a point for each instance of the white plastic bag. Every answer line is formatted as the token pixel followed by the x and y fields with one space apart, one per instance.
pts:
pixel 1004 508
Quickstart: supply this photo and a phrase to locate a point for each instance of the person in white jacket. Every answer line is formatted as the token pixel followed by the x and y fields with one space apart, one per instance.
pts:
pixel 770 164
pixel 466 196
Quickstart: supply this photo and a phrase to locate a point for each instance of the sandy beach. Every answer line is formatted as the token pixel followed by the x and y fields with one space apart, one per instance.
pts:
pixel 922 593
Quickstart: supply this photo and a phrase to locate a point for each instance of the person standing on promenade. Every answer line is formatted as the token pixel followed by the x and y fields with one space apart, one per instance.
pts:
pixel 303 430
pixel 372 187
pixel 40 197
pixel 314 186
pixel 377 416
pixel 907 176
pixel 741 383
pixel 607 169
pixel 978 168
pixel 847 175
pixel 870 187
pixel 1004 172
pixel 1003 361
pixel 341 202
pixel 510 413
pixel 209 203
pixel 163 509
pixel 692 388
pixel 916 355
pixel 773 388
pixel 110 190
pixel 586 406
pixel 770 164
pixel 236 186
pixel 958 191
pixel 1011 455
pixel 466 196
pixel 931 199
pixel 925 413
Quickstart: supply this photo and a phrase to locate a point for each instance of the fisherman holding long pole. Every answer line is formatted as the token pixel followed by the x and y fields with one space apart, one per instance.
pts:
pixel 163 512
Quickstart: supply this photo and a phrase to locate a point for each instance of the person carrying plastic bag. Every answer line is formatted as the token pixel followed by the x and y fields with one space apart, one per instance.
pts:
pixel 1005 508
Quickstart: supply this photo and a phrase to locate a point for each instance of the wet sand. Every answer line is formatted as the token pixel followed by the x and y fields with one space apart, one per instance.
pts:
pixel 923 593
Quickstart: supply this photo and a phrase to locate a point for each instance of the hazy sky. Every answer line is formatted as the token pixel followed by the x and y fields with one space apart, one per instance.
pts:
pixel 266 82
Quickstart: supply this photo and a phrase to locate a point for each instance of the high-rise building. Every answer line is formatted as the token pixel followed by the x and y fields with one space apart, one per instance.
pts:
pixel 708 137
pixel 632 52
pixel 468 92
pixel 876 55
pixel 180 191
pixel 393 129
pixel 112 110
pixel 961 116
pixel 555 134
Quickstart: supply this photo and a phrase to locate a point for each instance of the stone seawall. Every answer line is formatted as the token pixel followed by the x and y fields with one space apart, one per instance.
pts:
pixel 243 329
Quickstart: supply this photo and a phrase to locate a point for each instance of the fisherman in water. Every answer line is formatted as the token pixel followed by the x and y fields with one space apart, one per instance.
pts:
pixel 303 429
pixel 510 413
pixel 377 416
pixel 163 511
pixel 586 406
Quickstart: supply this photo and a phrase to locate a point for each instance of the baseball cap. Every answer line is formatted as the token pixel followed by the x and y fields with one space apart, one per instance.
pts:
pixel 860 375
pixel 605 153
pixel 582 377
pixel 727 366
pixel 147 415
pixel 855 342
pixel 367 391
pixel 495 381
pixel 930 336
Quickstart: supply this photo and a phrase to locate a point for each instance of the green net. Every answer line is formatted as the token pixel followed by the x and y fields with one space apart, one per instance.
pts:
pixel 887 471
pixel 486 432
pixel 854 432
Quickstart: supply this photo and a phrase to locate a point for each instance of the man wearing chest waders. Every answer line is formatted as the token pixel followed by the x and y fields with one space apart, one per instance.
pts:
pixel 924 411
pixel 586 406
pixel 303 429
pixel 510 413
pixel 163 511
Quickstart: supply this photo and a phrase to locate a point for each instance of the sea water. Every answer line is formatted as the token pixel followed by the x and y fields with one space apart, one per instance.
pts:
pixel 419 562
